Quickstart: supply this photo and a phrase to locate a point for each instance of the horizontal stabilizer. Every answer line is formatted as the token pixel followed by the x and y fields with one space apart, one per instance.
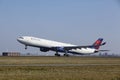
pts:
pixel 103 43
pixel 104 50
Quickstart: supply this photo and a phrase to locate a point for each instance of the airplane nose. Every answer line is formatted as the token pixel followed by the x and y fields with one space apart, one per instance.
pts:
pixel 20 39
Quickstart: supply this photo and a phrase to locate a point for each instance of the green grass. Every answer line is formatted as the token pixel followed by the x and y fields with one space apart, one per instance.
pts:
pixel 58 60
pixel 84 72
pixel 61 73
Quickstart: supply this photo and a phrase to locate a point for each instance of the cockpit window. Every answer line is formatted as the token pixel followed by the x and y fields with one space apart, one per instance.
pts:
pixel 21 37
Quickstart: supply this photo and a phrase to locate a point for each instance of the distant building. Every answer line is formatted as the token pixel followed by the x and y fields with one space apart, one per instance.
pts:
pixel 10 54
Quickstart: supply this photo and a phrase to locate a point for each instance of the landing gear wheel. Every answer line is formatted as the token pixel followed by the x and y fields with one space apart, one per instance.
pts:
pixel 57 55
pixel 66 55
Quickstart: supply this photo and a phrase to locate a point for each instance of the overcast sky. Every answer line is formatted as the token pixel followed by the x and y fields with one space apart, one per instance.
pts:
pixel 79 22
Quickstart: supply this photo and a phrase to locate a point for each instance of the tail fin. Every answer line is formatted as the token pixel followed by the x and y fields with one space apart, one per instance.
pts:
pixel 98 43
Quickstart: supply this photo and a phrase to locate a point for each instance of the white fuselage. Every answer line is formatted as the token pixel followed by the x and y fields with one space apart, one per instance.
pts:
pixel 38 42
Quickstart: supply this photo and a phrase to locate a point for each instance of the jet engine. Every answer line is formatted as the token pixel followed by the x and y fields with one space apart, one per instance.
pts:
pixel 44 49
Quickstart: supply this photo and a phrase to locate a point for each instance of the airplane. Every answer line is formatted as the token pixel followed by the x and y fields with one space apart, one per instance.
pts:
pixel 49 45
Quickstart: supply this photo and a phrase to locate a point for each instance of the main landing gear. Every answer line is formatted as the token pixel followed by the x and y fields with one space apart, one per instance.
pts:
pixel 25 47
pixel 56 54
pixel 66 55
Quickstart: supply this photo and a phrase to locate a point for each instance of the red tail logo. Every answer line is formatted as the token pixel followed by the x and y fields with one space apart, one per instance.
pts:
pixel 97 44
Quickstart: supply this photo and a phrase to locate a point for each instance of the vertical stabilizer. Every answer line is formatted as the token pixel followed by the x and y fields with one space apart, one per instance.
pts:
pixel 98 43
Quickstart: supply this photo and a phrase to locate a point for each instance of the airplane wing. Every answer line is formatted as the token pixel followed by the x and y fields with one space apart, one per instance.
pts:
pixel 66 48
pixel 75 47
pixel 88 46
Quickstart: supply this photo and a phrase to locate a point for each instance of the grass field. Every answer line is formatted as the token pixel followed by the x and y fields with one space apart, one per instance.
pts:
pixel 84 72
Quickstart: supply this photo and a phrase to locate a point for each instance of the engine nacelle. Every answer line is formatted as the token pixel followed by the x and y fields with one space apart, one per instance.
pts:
pixel 60 49
pixel 44 49
pixel 96 51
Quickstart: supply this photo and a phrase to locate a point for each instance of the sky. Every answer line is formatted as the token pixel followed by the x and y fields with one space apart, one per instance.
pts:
pixel 79 22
